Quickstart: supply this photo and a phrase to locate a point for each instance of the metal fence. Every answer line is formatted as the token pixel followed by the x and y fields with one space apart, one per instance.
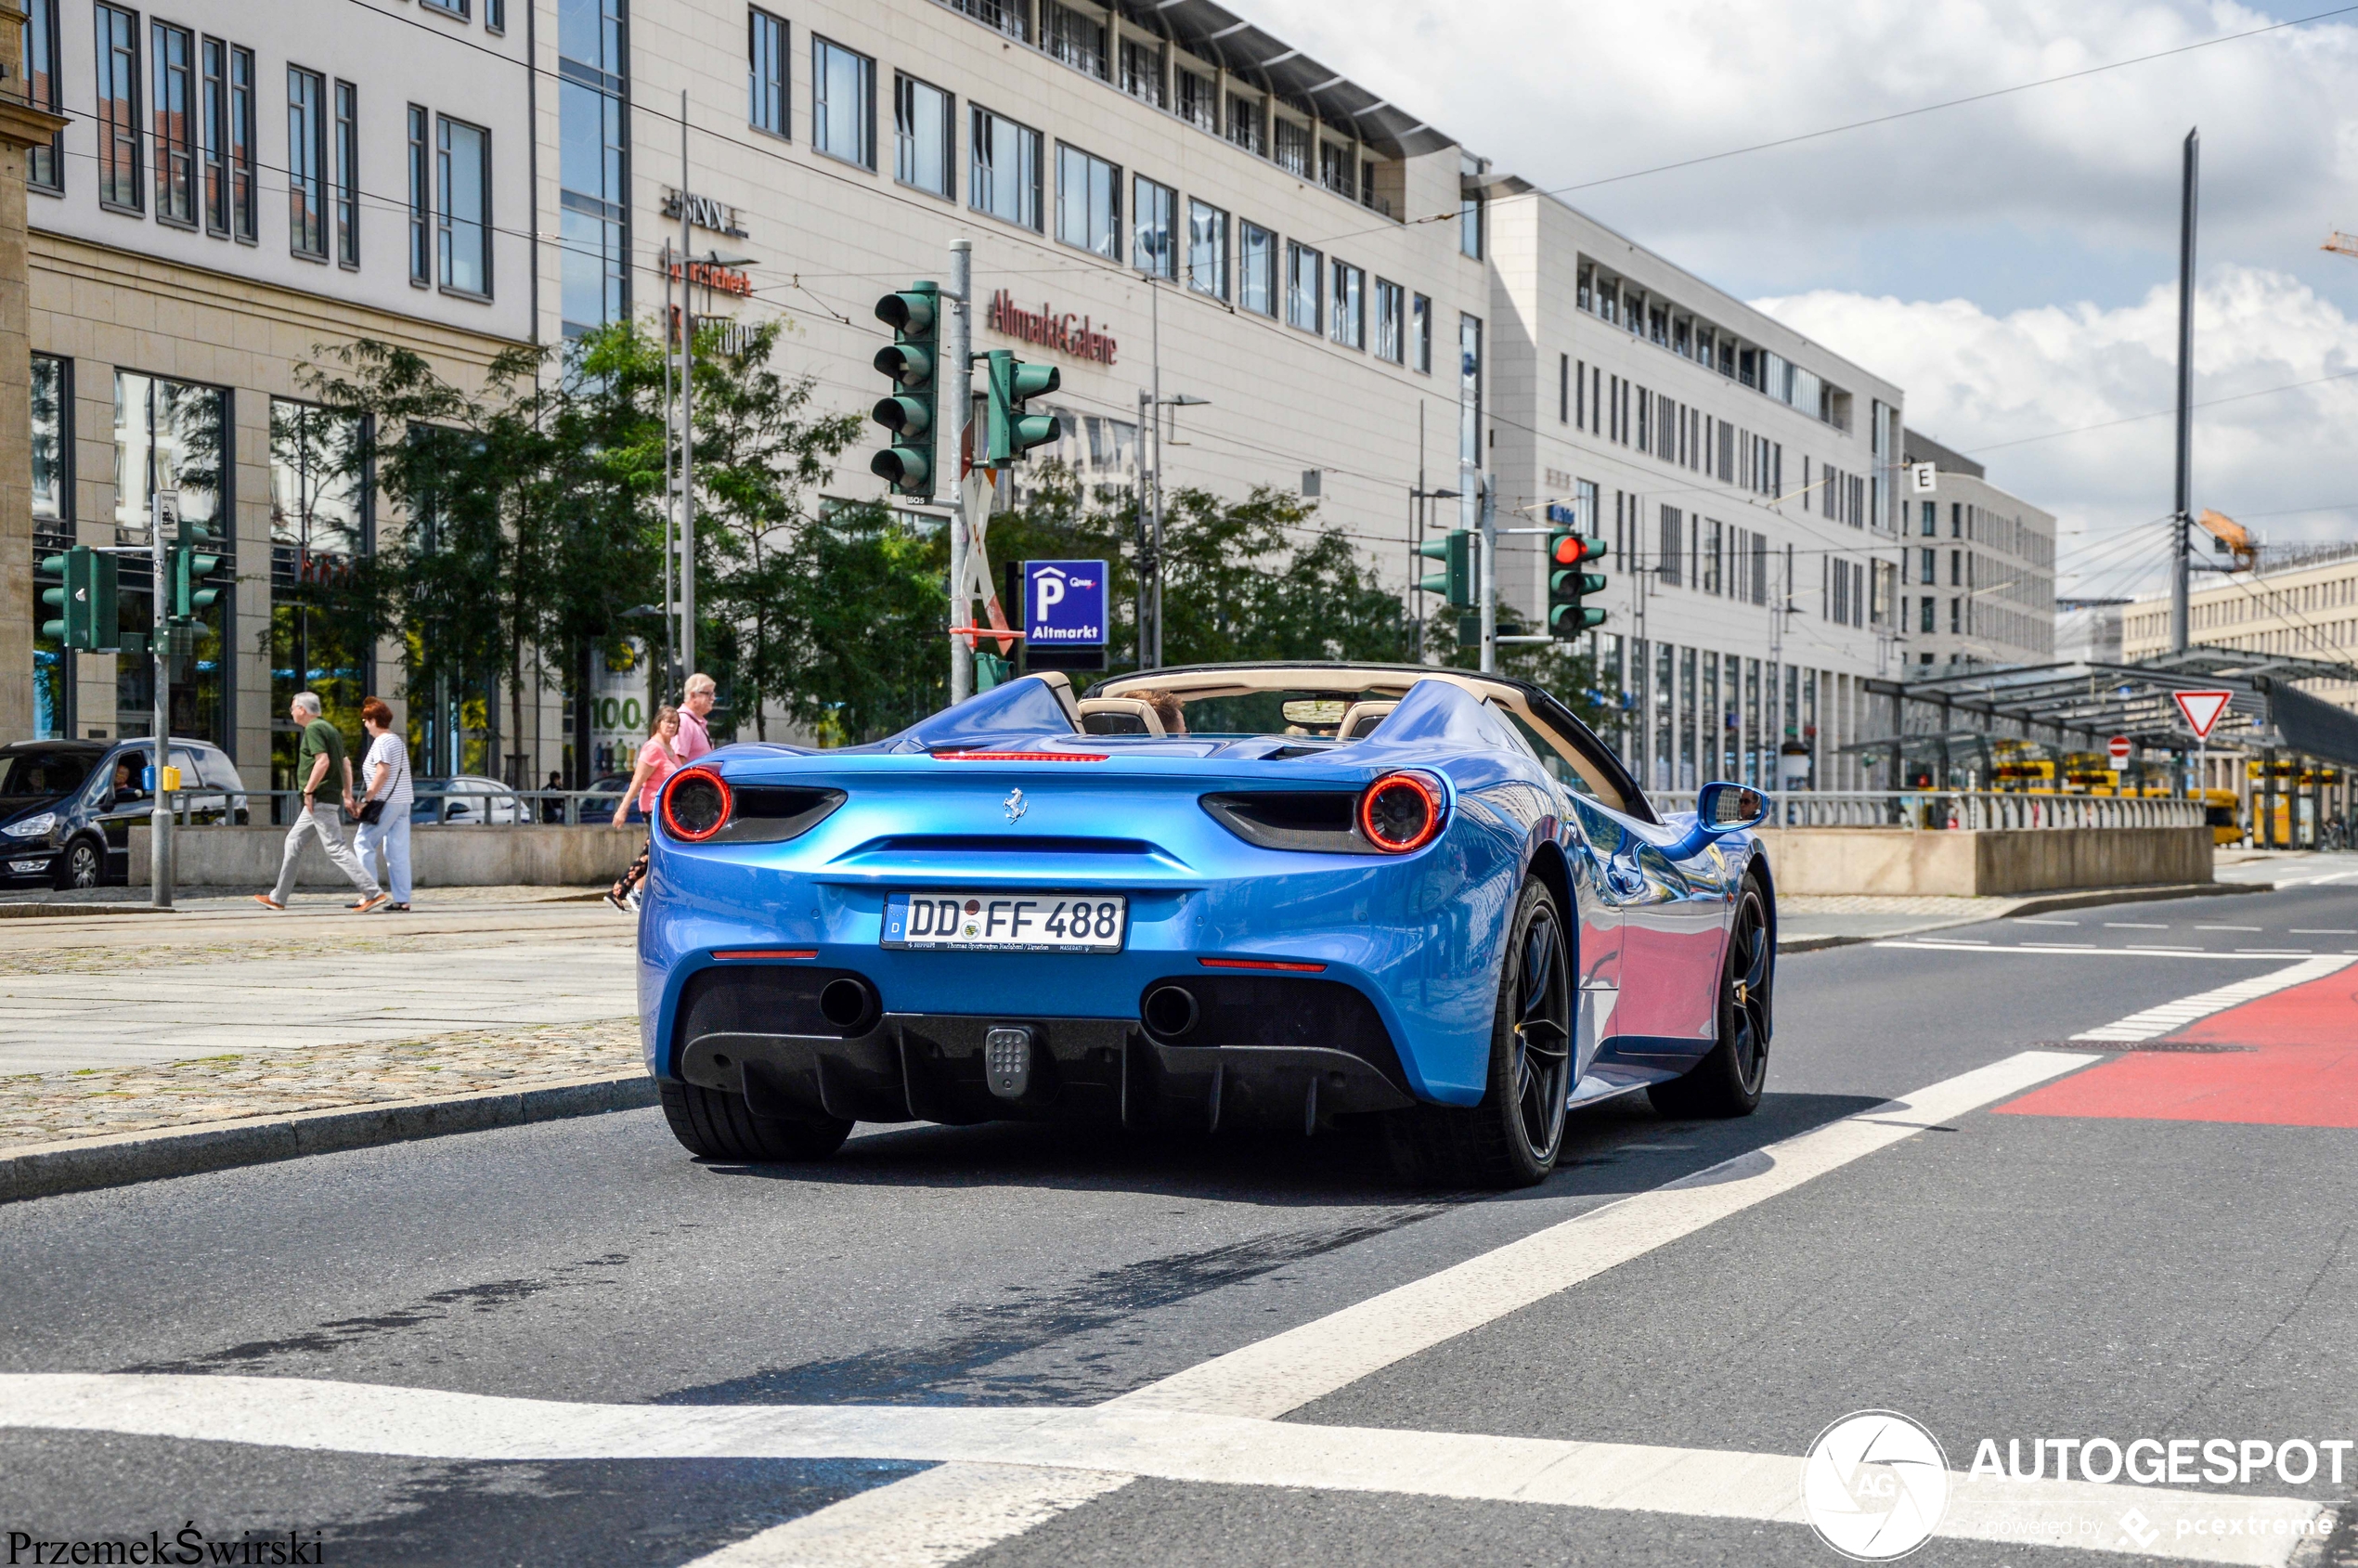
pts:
pixel 448 808
pixel 1960 809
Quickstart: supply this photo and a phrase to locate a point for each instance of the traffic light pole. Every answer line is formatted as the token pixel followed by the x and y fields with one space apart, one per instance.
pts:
pixel 956 390
pixel 159 816
pixel 687 415
pixel 1489 576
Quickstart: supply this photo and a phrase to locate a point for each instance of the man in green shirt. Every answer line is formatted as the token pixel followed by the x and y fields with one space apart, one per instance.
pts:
pixel 321 766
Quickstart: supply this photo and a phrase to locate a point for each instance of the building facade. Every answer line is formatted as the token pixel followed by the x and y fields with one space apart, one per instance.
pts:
pixel 240 187
pixel 1742 476
pixel 1979 569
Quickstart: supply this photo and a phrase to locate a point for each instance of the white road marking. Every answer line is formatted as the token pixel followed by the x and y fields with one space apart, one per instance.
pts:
pixel 2041 920
pixel 2132 926
pixel 2170 1017
pixel 2058 949
pixel 2065 946
pixel 2278 951
pixel 2324 931
pixel 1061 1458
pixel 2231 928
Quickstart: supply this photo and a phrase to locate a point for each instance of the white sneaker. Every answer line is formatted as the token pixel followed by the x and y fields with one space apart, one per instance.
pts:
pixel 632 901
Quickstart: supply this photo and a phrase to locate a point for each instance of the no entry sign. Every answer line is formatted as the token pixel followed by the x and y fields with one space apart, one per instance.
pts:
pixel 2202 709
pixel 2119 749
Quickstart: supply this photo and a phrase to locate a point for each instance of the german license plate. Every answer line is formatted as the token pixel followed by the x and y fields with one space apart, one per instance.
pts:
pixel 1007 922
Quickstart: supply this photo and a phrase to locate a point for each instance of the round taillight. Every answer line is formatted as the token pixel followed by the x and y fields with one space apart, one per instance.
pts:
pixel 695 805
pixel 1400 813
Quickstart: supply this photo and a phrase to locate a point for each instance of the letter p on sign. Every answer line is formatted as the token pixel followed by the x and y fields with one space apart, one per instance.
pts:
pixel 1050 590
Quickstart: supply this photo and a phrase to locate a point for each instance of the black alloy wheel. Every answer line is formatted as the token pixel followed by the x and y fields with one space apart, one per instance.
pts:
pixel 1512 1137
pixel 83 864
pixel 1729 1081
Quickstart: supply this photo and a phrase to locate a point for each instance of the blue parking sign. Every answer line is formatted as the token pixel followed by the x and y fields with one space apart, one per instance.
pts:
pixel 1064 604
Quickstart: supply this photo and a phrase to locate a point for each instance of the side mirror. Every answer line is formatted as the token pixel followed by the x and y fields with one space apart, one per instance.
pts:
pixel 1730 808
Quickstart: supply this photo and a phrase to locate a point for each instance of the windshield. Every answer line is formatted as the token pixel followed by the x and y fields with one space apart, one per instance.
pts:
pixel 1318 714
pixel 42 774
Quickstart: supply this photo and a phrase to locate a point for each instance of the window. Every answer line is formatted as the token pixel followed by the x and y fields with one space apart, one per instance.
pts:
pixel 1336 169
pixel 1207 250
pixel 173 435
pixel 1010 17
pixel 843 103
pixel 1154 241
pixel 1142 71
pixel 1088 203
pixel 463 158
pixel 347 175
pixel 119 108
pixel 1420 332
pixel 453 8
pixel 1302 265
pixel 421 201
pixel 1293 148
pixel 922 118
pixel 495 16
pixel 1469 225
pixel 44 166
pixel 1392 324
pixel 317 502
pixel 212 132
pixel 1256 270
pixel 307 163
pixel 1074 38
pixel 1247 128
pixel 173 53
pixel 766 49
pixel 49 455
pixel 245 191
pixel 593 164
pixel 1004 169
pixel 1198 101
pixel 1347 307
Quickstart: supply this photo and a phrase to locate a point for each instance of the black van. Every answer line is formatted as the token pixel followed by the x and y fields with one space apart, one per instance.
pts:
pixel 67 807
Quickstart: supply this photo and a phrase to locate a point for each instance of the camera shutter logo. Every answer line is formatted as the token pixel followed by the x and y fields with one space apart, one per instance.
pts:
pixel 1874 1485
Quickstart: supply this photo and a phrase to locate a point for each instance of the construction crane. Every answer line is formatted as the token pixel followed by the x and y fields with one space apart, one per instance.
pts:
pixel 2340 243
pixel 2233 539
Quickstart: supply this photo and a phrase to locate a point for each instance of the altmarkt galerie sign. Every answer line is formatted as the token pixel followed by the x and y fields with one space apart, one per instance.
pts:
pixel 1069 333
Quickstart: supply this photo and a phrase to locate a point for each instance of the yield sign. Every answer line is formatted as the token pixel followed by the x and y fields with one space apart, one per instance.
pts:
pixel 2202 709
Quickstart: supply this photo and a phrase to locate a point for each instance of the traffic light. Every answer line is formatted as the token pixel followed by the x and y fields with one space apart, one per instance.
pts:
pixel 84 600
pixel 909 411
pixel 1569 579
pixel 1455 581
pixel 1012 432
pixel 190 567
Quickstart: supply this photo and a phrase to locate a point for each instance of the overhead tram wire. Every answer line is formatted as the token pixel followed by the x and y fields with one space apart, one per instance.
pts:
pixel 1894 116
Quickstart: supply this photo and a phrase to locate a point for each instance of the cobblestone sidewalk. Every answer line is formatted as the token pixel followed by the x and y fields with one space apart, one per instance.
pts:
pixel 55 1106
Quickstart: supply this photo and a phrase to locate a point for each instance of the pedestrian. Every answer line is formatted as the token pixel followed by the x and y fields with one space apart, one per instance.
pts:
pixel 553 811
pixel 320 763
pixel 658 759
pixel 695 706
pixel 383 810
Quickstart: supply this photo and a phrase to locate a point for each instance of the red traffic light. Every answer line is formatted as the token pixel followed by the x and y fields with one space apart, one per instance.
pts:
pixel 1571 550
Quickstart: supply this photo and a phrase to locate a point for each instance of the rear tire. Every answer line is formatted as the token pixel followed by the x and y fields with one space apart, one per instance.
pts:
pixel 1727 1082
pixel 714 1125
pixel 1512 1137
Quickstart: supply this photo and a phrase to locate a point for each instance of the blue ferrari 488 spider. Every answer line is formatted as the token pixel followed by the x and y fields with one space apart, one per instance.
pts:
pixel 1268 894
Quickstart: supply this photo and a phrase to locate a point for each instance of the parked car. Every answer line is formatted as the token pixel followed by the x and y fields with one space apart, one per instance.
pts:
pixel 597 810
pixel 467 799
pixel 67 808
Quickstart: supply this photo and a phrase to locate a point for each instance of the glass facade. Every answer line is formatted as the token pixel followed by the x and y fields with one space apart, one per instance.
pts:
pixel 593 164
pixel 170 436
pixel 320 523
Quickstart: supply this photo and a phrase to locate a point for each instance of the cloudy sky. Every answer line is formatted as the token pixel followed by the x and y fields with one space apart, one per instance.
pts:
pixel 2012 263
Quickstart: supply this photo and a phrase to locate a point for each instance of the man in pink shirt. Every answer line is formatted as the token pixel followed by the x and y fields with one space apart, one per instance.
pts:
pixel 694 739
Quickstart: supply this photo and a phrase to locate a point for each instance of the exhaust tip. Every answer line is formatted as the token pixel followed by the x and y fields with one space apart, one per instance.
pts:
pixel 847 1004
pixel 1170 1011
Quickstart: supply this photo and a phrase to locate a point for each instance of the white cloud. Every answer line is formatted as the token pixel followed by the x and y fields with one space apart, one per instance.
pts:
pixel 1976 381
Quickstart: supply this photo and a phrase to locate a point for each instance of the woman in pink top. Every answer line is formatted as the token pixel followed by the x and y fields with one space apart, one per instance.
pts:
pixel 657 762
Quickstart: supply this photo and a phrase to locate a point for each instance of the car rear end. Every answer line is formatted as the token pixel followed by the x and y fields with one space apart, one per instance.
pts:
pixel 1139 932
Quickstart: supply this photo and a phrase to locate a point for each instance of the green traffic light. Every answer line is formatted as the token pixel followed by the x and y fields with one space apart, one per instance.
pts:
pixel 1012 431
pixel 903 415
pixel 1455 581
pixel 910 360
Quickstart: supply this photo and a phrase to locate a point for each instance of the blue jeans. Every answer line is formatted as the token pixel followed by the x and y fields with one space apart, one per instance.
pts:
pixel 390 832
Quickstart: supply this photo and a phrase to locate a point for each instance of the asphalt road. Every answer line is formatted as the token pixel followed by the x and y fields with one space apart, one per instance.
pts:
pixel 2131 1250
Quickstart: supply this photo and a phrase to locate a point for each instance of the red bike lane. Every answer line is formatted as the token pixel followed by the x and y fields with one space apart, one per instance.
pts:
pixel 2289 1060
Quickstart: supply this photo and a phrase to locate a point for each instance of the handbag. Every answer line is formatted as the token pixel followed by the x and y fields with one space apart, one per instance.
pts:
pixel 373 811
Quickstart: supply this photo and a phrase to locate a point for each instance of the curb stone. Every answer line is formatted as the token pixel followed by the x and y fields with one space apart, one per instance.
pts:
pixel 2044 904
pixel 46 1170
